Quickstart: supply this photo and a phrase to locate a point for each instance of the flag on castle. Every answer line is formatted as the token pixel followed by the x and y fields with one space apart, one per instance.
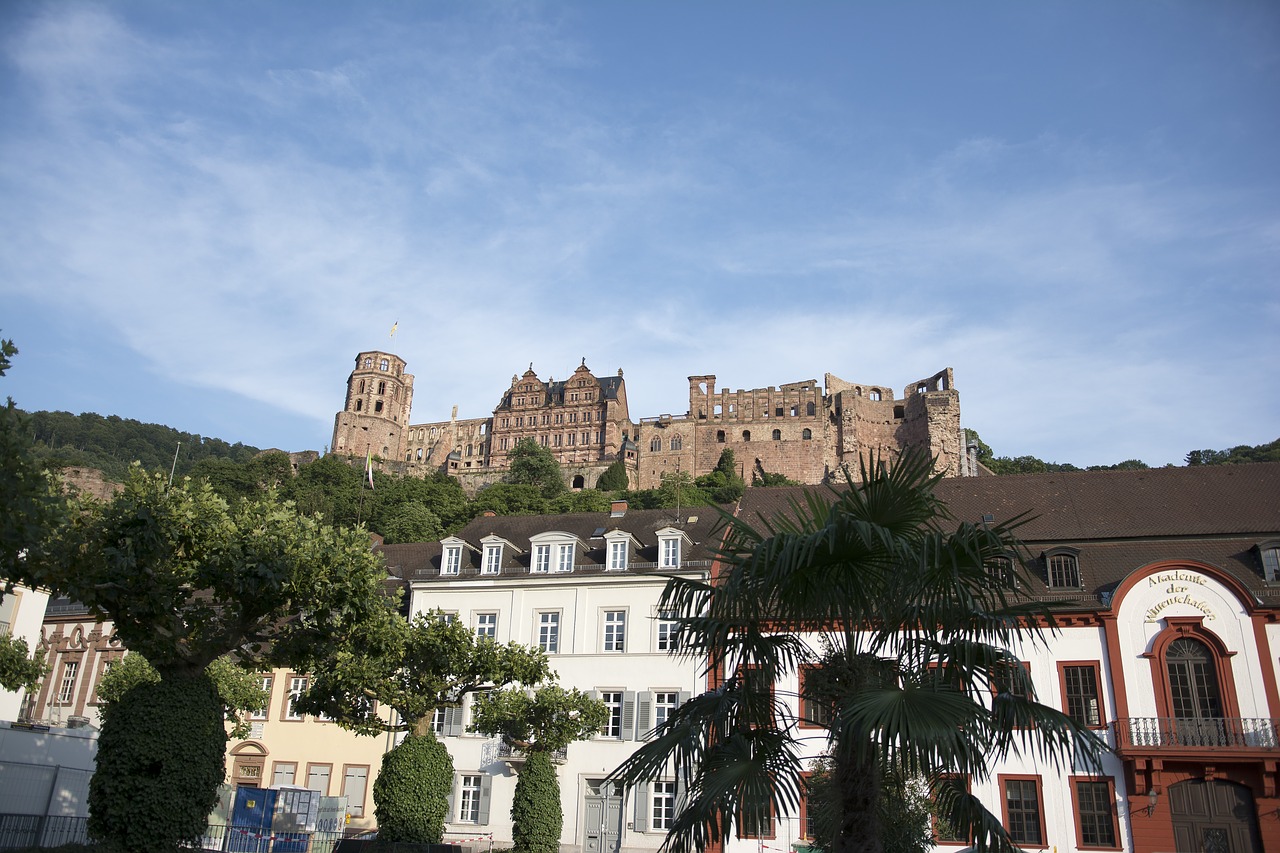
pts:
pixel 368 465
pixel 394 326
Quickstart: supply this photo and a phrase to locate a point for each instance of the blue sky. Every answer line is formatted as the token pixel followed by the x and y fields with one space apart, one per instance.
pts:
pixel 208 209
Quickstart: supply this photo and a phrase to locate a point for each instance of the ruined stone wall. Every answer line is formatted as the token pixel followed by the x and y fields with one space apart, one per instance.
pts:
pixel 797 429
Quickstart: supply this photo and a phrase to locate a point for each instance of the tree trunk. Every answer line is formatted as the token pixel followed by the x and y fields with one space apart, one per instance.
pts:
pixel 857 787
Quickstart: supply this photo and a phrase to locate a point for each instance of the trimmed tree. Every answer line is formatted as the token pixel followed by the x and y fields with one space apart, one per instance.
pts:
pixel 538 724
pixel 239 689
pixel 187 578
pixel 414 668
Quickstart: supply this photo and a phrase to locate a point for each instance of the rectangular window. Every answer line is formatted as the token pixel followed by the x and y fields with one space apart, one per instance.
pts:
pixel 1080 696
pixel 264 682
pixel 492 559
pixel 487 625
pixel 1064 571
pixel 297 686
pixel 755 824
pixel 1023 813
pixel 664 804
pixel 354 784
pixel 668 634
pixel 452 560
pixel 615 630
pixel 549 632
pixel 664 705
pixel 438 717
pixel 612 700
pixel 67 687
pixel 564 558
pixel 1094 800
pixel 944 832
pixel 813 714
pixel 618 555
pixel 283 774
pixel 318 777
pixel 670 553
pixel 469 800
pixel 541 559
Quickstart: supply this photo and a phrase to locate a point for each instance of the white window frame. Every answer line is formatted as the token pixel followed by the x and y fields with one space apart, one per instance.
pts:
pixel 663 707
pixel 614 635
pixel 564 557
pixel 67 686
pixel 541 559
pixel 487 625
pixel 672 542
pixel 452 564
pixel 548 631
pixel 663 804
pixel 492 560
pixel 297 686
pixel 264 713
pixel 612 728
pixel 617 555
pixel 469 798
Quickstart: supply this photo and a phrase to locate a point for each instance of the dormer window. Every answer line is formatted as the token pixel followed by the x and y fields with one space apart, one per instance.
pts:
pixel 619 546
pixel 452 560
pixel 671 544
pixel 1063 568
pixel 554 551
pixel 494 547
pixel 1269 554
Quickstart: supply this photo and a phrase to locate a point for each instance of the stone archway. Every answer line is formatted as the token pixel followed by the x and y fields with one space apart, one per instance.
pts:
pixel 1213 816
pixel 249 764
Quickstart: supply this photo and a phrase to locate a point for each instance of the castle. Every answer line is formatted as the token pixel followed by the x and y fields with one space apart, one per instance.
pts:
pixel 802 430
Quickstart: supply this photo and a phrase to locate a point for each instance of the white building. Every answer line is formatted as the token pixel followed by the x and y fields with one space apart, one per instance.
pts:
pixel 585 589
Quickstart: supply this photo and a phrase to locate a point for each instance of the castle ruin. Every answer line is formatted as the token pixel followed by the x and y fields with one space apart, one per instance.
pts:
pixel 802 430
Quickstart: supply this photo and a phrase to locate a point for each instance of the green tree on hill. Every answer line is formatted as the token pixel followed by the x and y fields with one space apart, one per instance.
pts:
pixel 533 465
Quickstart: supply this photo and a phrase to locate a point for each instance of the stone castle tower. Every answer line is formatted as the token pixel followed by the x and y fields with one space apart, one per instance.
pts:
pixel 807 431
pixel 375 419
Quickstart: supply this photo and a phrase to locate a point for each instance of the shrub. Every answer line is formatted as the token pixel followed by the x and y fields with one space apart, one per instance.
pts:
pixel 161 757
pixel 412 790
pixel 535 809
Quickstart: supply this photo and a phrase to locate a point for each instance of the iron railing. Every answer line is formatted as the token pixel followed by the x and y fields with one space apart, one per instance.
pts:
pixel 1198 733
pixel 20 830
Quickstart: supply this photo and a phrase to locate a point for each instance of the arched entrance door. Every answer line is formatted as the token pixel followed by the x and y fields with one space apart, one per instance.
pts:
pixel 1214 817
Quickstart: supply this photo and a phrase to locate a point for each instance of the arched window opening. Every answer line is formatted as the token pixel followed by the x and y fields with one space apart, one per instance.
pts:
pixel 746 435
pixel 720 436
pixel 874 394
pixel 677 443
pixel 807 435
pixel 382 388
pixel 1193 680
pixel 359 405
pixel 368 363
pixel 579 482
pixel 361 391
pixel 377 407
pixel 655 444
pixel 777 435
pixel 1064 570
pixel 810 409
pixel 384 365
pixel 419 454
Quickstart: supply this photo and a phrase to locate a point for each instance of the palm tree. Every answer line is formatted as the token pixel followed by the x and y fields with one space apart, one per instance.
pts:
pixel 919 671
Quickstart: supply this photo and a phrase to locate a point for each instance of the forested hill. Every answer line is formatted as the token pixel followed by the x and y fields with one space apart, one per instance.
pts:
pixel 1237 455
pixel 111 443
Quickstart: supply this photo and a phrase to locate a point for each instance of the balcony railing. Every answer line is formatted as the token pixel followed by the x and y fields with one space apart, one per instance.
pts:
pixel 1242 733
pixel 503 751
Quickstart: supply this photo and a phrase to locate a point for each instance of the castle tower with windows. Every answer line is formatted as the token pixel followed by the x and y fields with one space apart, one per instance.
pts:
pixel 375 418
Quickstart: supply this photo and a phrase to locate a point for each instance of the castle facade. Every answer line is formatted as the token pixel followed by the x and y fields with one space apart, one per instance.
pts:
pixel 803 430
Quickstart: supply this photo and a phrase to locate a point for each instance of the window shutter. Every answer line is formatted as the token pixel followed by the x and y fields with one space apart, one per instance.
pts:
pixel 453 721
pixel 449 816
pixel 644 713
pixel 486 790
pixel 628 714
pixel 682 697
pixel 641 820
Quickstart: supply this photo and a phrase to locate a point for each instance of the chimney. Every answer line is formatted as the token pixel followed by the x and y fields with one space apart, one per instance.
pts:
pixel 488 513
pixel 617 509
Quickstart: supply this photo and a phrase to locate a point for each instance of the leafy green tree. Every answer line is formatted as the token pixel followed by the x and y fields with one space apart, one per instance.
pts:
pixel 534 465
pixel 1240 454
pixel 722 484
pixel 614 478
pixel 763 478
pixel 511 499
pixel 539 724
pixel 587 500
pixel 412 523
pixel 239 689
pixel 20 668
pixel 187 578
pixel 413 667
pixel 922 644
